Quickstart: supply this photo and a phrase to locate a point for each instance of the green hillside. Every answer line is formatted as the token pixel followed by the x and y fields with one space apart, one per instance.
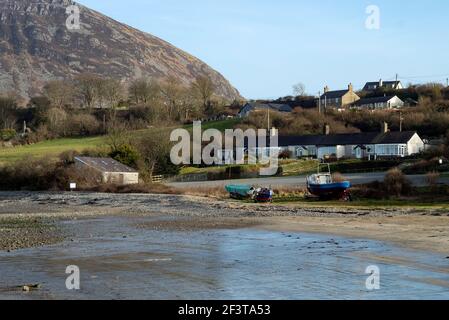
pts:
pixel 53 148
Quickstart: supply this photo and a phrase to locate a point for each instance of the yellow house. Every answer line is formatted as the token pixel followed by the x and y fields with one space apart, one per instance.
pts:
pixel 338 99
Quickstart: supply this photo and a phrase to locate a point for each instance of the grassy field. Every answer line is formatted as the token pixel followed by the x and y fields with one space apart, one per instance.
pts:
pixel 53 148
pixel 298 167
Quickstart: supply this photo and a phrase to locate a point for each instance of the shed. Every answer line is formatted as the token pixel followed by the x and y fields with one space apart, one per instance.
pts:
pixel 111 170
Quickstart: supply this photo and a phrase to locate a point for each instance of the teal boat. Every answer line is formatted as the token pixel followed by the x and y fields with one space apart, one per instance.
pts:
pixel 240 191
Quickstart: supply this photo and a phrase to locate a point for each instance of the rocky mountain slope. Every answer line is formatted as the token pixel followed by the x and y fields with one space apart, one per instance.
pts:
pixel 36 46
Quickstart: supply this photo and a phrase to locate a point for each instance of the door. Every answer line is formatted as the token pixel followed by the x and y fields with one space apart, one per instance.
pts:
pixel 359 153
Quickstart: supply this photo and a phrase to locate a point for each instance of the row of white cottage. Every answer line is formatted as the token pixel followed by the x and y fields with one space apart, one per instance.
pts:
pixel 359 146
pixel 370 145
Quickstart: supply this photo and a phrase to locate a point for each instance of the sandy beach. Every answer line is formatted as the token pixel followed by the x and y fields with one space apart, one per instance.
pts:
pixel 26 219
pixel 132 246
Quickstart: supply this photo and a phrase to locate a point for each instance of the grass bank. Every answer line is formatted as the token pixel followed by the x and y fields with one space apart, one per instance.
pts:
pixel 53 148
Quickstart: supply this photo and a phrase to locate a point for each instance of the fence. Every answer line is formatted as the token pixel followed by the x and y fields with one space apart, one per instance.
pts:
pixel 157 179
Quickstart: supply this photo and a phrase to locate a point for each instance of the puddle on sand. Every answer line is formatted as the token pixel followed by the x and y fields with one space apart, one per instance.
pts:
pixel 119 261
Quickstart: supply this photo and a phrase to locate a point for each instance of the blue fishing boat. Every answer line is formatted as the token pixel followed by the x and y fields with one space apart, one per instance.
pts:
pixel 322 185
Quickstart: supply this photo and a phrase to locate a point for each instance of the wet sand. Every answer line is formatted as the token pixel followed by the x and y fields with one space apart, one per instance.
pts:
pixel 182 247
pixel 127 258
pixel 413 228
pixel 427 233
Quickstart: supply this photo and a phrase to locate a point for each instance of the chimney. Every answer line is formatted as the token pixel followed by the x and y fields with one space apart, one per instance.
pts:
pixel 350 87
pixel 381 83
pixel 326 89
pixel 274 132
pixel 385 127
pixel 327 129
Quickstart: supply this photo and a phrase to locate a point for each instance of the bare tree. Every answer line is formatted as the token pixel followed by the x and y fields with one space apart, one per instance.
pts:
pixel 7 112
pixel 88 88
pixel 56 119
pixel 60 93
pixel 172 93
pixel 113 93
pixel 118 136
pixel 204 89
pixel 299 89
pixel 154 149
pixel 140 90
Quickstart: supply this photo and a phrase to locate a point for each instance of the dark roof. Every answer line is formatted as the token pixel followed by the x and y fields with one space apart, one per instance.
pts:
pixel 105 164
pixel 373 100
pixel 347 139
pixel 334 94
pixel 394 137
pixel 385 83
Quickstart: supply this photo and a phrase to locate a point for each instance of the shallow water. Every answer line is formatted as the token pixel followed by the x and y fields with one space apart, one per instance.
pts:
pixel 120 261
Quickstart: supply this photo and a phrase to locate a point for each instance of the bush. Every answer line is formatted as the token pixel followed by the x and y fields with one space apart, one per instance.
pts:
pixel 286 154
pixel 83 125
pixel 127 155
pixel 396 183
pixel 432 179
pixel 44 174
pixel 42 133
pixel 7 134
pixel 374 190
pixel 68 157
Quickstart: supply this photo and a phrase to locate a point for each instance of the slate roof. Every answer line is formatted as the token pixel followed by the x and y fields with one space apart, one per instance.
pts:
pixel 373 100
pixel 105 165
pixel 334 94
pixel 385 83
pixel 347 139
pixel 394 137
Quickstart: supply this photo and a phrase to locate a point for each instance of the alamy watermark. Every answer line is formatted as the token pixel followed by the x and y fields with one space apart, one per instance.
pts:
pixel 372 22
pixel 373 281
pixel 237 147
pixel 73 281
pixel 73 20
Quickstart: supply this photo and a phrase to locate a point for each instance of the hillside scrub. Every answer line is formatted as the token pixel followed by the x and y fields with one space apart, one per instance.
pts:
pixel 50 175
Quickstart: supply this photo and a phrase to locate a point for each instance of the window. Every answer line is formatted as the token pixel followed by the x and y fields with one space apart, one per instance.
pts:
pixel 391 150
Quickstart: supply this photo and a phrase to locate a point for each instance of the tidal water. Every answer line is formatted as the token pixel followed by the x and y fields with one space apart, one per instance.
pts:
pixel 119 260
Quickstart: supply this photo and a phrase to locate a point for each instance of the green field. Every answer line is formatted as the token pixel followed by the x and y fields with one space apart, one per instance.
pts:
pixel 53 148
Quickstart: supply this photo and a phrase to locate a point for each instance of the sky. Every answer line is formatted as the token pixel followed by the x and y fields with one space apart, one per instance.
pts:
pixel 264 47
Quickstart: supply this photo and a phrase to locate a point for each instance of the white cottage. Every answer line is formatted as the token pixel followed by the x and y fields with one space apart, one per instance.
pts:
pixel 379 103
pixel 111 170
pixel 371 145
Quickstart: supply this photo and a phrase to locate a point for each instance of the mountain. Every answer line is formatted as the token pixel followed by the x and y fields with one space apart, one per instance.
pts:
pixel 36 46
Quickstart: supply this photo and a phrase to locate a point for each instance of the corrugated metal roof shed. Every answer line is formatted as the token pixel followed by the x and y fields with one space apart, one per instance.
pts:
pixel 105 164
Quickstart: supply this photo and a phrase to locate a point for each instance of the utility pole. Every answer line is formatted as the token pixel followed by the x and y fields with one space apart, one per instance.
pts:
pixel 268 119
pixel 319 102
pixel 325 104
pixel 447 82
pixel 401 121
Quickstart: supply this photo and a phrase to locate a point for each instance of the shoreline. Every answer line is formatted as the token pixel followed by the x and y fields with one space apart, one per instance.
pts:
pixel 423 233
pixel 412 228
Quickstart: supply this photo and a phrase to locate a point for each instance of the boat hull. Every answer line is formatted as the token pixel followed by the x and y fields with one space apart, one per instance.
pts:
pixel 329 191
pixel 239 191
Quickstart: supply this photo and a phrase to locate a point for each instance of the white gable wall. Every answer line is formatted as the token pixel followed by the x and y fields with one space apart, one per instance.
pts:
pixel 415 145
